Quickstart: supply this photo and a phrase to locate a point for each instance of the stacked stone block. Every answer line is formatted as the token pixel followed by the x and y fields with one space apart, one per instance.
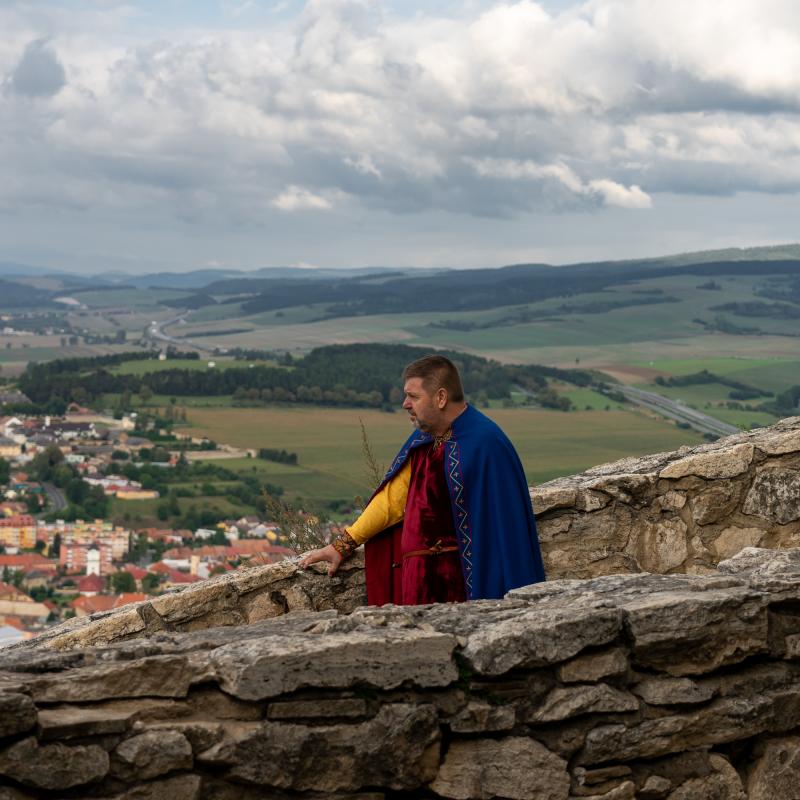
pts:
pixel 673 687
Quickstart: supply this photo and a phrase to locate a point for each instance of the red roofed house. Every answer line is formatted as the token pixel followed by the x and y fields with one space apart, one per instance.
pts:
pixel 28 562
pixel 90 585
pixel 15 603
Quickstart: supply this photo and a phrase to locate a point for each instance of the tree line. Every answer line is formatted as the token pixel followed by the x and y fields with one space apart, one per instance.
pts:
pixel 358 374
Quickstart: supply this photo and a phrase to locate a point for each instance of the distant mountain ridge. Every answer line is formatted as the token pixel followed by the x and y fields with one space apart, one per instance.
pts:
pixel 373 290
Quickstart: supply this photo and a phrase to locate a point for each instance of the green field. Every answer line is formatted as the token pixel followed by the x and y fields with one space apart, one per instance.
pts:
pixel 331 465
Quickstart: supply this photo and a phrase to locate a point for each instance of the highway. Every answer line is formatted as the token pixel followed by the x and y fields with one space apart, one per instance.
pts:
pixel 156 330
pixel 673 409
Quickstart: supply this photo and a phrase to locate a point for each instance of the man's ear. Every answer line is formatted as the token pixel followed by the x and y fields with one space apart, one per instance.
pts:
pixel 441 398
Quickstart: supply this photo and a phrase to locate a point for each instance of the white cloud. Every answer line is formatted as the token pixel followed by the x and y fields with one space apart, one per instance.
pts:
pixel 296 198
pixel 496 112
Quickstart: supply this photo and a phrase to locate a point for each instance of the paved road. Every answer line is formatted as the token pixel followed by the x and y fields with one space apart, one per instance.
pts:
pixel 672 409
pixel 55 497
pixel 157 331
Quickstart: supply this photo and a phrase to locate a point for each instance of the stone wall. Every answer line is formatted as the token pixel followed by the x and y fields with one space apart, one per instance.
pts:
pixel 681 687
pixel 678 512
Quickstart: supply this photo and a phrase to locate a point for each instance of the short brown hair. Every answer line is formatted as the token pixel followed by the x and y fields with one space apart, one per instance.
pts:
pixel 437 372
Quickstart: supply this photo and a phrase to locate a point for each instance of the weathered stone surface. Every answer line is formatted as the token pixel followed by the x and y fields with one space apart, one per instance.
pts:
pixel 733 540
pixel 623 791
pixel 397 749
pixel 201 734
pixel 546 499
pixel 715 503
pixel 572 701
pixel 776 773
pixel 254 670
pixel 179 787
pixel 53 766
pixel 720 463
pixel 159 676
pixel 537 636
pixel 581 545
pixel 592 667
pixel 672 501
pixel 65 722
pixel 661 546
pixel 347 707
pixel 775 494
pixel 774 571
pixel 480 717
pixel 206 597
pixel 775 444
pixel 688 633
pixel 219 705
pixel 655 787
pixel 662 691
pixel 515 767
pixel 723 720
pixel 151 754
pixel 723 783
pixel 17 714
pixel 110 628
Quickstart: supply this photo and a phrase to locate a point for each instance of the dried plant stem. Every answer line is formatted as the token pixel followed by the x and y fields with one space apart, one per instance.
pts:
pixel 300 532
pixel 374 470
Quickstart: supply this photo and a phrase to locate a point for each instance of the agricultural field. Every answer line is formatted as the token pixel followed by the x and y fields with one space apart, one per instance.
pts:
pixel 332 466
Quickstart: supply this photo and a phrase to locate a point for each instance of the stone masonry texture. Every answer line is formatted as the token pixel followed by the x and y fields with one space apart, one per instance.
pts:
pixel 634 672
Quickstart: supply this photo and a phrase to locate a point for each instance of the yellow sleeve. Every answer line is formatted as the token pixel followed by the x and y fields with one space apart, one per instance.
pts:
pixel 386 508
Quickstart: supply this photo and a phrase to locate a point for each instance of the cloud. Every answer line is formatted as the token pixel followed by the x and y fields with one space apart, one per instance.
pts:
pixel 296 198
pixel 39 73
pixel 498 112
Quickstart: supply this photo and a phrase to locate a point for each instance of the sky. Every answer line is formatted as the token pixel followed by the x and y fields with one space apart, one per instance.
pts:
pixel 179 135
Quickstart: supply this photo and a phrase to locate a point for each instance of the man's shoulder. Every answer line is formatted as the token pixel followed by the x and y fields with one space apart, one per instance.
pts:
pixel 480 428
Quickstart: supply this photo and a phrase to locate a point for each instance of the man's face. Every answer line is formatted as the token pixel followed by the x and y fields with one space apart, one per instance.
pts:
pixel 426 409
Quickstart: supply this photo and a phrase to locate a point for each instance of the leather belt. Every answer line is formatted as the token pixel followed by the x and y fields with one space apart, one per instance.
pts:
pixel 435 550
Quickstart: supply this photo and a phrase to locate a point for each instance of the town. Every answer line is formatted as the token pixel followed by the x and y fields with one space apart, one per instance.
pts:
pixel 55 567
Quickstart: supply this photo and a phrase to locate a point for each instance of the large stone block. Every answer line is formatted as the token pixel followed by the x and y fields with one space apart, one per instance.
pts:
pixel 516 768
pixel 571 701
pixel 157 676
pixel 539 636
pixel 151 754
pixel 723 720
pixel 17 714
pixel 262 668
pixel 775 495
pixel 716 503
pixel 53 766
pixel 664 691
pixel 397 749
pixel 776 773
pixel 692 632
pixel 724 462
pixel 591 667
pixel 117 625
pixel 660 546
pixel 723 783
pixel 733 540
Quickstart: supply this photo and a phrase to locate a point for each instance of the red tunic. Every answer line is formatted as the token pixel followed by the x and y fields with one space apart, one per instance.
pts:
pixel 428 521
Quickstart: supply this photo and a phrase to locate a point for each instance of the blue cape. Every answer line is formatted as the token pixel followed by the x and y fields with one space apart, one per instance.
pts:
pixel 491 506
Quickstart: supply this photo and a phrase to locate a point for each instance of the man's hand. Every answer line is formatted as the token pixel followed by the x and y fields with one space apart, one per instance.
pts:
pixel 329 554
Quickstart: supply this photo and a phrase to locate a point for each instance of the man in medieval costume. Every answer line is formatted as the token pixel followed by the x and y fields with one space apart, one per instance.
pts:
pixel 452 518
